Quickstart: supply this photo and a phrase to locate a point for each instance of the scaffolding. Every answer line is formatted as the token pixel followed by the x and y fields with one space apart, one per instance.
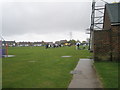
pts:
pixel 97 18
pixel 97 15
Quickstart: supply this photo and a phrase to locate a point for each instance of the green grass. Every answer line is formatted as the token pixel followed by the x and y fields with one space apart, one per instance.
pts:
pixel 49 70
pixel 108 73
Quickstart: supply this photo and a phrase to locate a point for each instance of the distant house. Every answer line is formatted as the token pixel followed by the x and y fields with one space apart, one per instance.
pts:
pixel 84 43
pixel 24 44
pixel 57 42
pixel 107 41
pixel 9 43
pixel 51 43
pixel 37 43
pixel 63 41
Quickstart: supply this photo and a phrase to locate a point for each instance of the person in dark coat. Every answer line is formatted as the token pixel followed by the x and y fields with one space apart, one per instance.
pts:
pixel 77 46
pixel 46 46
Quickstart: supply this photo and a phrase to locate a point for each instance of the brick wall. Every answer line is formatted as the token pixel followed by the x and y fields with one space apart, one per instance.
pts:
pixel 107 44
pixel 115 35
pixel 119 43
pixel 102 45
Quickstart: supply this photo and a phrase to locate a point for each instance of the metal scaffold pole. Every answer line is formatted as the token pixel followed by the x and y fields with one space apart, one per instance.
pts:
pixel 97 17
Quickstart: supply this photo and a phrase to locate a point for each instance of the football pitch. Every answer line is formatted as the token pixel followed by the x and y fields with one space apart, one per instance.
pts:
pixel 37 67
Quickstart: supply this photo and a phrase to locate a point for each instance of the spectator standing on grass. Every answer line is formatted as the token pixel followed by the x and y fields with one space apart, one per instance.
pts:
pixel 77 46
pixel 49 46
pixel 84 46
pixel 46 46
pixel 53 45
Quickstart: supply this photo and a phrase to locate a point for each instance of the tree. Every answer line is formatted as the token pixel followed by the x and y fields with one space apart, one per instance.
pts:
pixel 73 42
pixel 43 43
pixel 78 41
pixel 83 42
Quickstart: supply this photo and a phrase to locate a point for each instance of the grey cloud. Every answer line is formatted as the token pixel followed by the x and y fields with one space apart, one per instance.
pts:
pixel 27 17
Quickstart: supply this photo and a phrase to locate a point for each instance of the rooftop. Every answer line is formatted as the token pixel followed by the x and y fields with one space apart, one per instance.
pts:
pixel 113 12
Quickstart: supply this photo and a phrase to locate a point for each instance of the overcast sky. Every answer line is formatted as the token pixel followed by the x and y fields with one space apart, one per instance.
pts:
pixel 48 20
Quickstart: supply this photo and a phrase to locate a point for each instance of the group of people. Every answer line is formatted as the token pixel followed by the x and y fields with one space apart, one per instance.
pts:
pixel 60 45
pixel 52 45
pixel 78 46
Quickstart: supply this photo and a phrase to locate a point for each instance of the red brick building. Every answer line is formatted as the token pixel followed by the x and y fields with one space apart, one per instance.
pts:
pixel 107 41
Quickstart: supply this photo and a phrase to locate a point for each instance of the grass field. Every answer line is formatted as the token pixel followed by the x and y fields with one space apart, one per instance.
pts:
pixel 108 73
pixel 37 67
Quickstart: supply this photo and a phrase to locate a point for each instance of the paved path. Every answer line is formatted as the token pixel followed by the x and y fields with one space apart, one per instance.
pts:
pixel 84 75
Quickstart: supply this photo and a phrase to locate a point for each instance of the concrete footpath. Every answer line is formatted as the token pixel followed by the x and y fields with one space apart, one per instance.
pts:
pixel 84 75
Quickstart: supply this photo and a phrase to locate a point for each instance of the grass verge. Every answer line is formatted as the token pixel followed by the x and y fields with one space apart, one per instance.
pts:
pixel 108 73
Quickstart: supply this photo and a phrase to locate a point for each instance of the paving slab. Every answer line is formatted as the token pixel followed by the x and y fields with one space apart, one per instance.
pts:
pixel 84 75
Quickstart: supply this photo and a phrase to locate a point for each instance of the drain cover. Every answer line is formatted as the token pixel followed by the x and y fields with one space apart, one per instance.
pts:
pixel 31 61
pixel 66 56
pixel 8 55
